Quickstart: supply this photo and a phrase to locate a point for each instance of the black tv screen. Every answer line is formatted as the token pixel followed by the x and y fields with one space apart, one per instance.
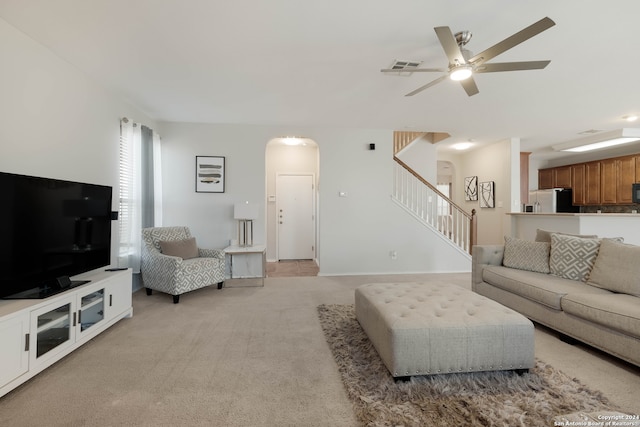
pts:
pixel 50 229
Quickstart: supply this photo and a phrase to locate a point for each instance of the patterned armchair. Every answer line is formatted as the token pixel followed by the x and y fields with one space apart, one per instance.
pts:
pixel 183 267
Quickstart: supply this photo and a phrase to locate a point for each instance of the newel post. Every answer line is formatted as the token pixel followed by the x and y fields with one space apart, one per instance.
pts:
pixel 473 237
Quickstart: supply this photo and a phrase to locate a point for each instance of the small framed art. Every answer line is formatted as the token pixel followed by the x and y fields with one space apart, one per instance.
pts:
pixel 471 188
pixel 487 197
pixel 210 174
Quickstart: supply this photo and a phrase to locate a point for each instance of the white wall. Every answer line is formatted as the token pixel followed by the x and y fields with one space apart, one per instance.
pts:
pixel 356 233
pixel 422 157
pixel 57 122
pixel 498 162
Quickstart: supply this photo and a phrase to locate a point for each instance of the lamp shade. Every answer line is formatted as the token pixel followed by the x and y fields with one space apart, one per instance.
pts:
pixel 245 210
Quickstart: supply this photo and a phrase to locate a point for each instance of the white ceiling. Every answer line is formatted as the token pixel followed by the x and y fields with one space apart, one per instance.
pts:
pixel 317 63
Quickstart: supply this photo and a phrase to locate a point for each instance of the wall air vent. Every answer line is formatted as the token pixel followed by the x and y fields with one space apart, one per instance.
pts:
pixel 404 65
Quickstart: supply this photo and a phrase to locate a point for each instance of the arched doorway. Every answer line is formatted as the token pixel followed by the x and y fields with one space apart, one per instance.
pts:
pixel 292 168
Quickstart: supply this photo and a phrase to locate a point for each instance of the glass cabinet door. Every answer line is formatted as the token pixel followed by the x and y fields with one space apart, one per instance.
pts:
pixel 54 329
pixel 91 309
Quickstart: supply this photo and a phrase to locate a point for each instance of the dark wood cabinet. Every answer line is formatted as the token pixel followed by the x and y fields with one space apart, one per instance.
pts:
pixel 592 183
pixel 602 182
pixel 562 177
pixel 578 184
pixel 608 183
pixel 626 175
pixel 545 179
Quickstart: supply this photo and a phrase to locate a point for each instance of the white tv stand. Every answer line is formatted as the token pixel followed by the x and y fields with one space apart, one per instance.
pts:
pixel 35 333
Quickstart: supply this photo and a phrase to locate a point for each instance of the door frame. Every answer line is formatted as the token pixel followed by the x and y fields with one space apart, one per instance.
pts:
pixel 314 207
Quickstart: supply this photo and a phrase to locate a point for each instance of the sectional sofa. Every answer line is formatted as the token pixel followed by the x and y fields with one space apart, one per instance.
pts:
pixel 584 287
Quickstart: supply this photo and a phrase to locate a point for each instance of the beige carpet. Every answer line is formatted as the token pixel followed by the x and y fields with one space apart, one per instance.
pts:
pixel 500 398
pixel 240 357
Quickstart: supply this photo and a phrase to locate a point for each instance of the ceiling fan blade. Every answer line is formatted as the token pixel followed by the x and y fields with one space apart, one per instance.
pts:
pixel 450 46
pixel 428 85
pixel 514 40
pixel 511 66
pixel 414 70
pixel 469 86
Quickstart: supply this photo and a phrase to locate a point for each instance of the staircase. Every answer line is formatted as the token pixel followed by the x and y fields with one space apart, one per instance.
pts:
pixel 433 209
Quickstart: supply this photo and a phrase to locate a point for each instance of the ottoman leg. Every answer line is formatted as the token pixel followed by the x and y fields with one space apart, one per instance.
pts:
pixel 402 379
pixel 521 372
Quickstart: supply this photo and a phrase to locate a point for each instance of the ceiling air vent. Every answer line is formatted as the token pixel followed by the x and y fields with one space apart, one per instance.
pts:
pixel 404 65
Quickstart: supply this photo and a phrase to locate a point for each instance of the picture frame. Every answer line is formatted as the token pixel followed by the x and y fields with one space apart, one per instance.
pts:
pixel 487 194
pixel 471 188
pixel 210 174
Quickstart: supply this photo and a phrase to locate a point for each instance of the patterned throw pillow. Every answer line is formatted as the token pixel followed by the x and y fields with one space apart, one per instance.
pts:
pixel 572 257
pixel 526 255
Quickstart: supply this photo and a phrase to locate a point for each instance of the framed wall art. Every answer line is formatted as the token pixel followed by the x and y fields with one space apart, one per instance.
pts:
pixel 487 194
pixel 210 174
pixel 471 188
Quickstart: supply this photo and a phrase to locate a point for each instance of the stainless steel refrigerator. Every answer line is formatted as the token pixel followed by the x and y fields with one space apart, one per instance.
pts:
pixel 555 200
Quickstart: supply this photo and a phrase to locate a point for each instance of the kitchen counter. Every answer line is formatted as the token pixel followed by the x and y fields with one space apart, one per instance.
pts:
pixel 575 214
pixel 626 225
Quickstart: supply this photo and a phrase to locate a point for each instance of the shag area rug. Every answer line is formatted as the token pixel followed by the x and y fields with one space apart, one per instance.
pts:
pixel 473 399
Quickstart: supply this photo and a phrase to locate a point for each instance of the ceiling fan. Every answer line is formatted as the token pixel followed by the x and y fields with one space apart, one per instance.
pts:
pixel 462 64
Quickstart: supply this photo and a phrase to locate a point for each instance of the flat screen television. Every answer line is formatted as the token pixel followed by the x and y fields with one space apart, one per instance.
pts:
pixel 50 230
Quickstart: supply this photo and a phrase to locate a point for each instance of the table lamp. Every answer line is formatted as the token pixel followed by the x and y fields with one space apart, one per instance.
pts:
pixel 245 213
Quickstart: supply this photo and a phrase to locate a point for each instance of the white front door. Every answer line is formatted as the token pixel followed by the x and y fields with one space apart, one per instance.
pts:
pixel 295 216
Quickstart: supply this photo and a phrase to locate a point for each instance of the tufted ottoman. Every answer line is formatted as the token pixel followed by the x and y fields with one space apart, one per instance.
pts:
pixel 426 329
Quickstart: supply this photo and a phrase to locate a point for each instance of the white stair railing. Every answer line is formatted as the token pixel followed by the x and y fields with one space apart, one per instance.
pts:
pixel 432 208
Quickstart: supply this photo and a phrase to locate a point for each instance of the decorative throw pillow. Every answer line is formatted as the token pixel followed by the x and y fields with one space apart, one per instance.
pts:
pixel 526 255
pixel 617 268
pixel 572 257
pixel 184 249
pixel 545 236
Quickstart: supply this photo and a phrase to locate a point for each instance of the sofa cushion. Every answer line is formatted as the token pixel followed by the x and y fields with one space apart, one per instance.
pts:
pixel 185 249
pixel 572 257
pixel 545 289
pixel 545 235
pixel 526 255
pixel 617 268
pixel 616 311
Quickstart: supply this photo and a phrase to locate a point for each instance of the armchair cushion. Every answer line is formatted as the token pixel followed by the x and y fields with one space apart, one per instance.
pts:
pixel 185 249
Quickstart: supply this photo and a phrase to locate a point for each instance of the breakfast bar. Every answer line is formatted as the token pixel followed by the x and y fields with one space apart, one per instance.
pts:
pixel 627 225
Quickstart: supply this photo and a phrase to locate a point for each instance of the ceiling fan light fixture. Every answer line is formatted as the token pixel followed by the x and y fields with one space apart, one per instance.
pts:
pixel 462 145
pixel 462 72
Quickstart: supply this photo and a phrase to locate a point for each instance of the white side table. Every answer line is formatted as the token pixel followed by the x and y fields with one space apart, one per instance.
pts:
pixel 234 251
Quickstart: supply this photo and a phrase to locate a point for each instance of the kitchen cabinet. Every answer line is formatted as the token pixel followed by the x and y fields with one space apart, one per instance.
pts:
pixel 626 175
pixel 578 183
pixel 545 179
pixel 608 184
pixel 592 183
pixel 562 177
pixel 602 182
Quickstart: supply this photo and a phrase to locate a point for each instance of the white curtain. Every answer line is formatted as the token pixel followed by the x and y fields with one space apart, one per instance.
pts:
pixel 132 188
pixel 157 179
